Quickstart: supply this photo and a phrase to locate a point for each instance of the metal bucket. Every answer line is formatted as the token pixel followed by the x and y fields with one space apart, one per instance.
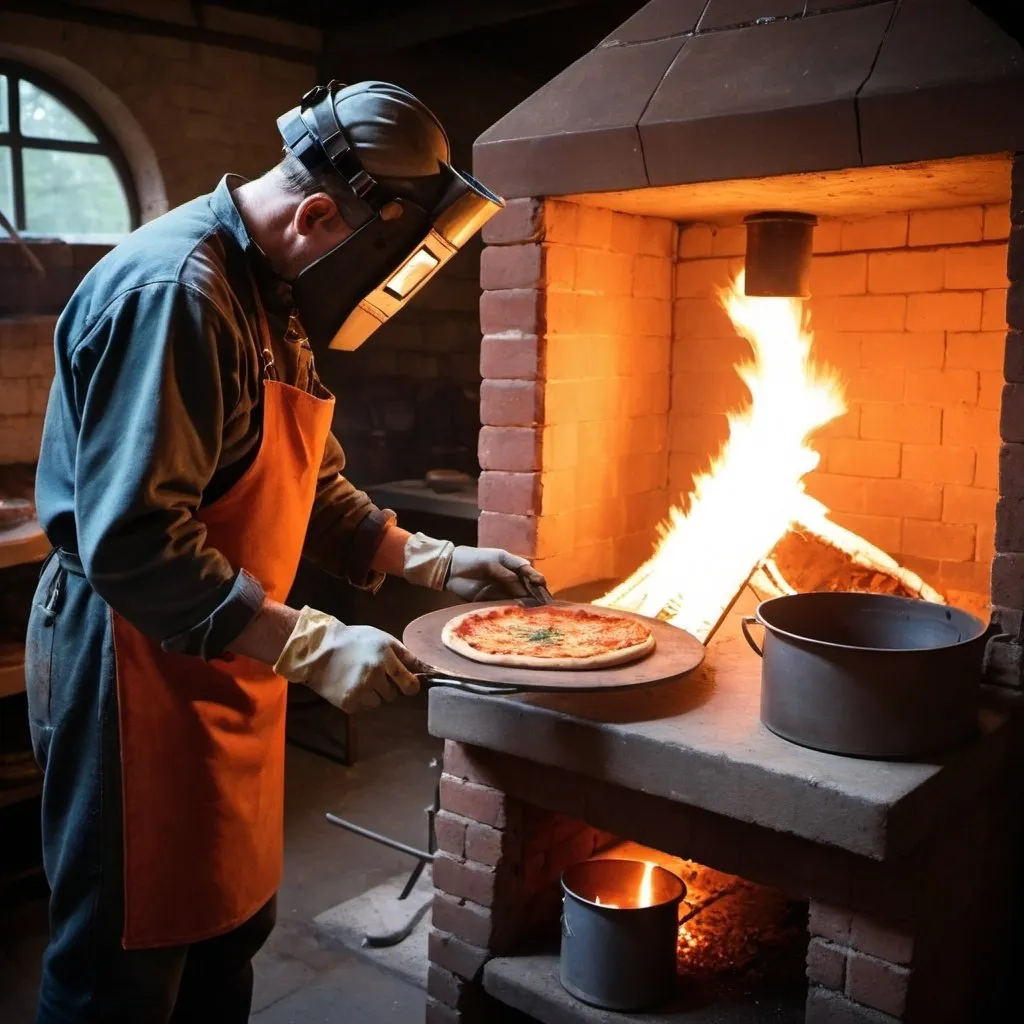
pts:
pixel 869 675
pixel 616 954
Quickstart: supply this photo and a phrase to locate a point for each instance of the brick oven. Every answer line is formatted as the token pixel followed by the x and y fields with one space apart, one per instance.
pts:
pixel 609 368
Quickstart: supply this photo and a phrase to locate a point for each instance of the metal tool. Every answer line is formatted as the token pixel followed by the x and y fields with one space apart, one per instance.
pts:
pixel 536 593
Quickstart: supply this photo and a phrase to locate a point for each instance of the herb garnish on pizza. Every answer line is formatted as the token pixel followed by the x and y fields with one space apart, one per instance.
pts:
pixel 549 636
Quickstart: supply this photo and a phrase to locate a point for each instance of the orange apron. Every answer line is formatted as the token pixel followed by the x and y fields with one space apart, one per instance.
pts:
pixel 202 743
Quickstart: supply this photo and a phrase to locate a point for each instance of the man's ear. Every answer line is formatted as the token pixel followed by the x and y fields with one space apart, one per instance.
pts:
pixel 318 209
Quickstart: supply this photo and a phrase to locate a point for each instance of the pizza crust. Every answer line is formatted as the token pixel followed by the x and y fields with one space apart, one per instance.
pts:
pixel 618 657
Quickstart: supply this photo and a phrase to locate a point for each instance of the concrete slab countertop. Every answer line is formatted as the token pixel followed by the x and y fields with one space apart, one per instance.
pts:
pixel 699 741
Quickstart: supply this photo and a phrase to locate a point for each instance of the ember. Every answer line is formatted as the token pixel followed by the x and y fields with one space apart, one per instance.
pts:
pixel 735 524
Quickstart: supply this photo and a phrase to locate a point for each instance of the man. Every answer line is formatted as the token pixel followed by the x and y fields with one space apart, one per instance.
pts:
pixel 187 463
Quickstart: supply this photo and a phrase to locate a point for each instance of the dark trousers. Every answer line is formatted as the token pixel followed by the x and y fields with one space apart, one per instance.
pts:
pixel 88 977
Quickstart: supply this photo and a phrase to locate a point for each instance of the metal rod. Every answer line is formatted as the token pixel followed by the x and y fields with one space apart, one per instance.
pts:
pixel 32 258
pixel 366 833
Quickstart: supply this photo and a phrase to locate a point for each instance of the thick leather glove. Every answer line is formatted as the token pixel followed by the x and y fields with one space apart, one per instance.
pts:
pixel 352 667
pixel 474 574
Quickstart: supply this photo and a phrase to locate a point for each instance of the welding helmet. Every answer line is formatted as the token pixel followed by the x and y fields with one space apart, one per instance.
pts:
pixel 378 145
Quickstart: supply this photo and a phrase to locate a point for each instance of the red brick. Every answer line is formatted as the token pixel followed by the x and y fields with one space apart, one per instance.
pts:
pixel 701 318
pixel 877 384
pixel 1011 470
pixel 843 274
pixel 886 232
pixel 885 532
pixel 603 273
pixel 903 498
pixel 484 844
pixel 942 387
pixel 864 458
pixel 440 1013
pixel 652 277
pixel 1008 579
pixel 657 237
pixel 1015 306
pixel 559 267
pixel 839 493
pixel 1011 420
pixel 966 426
pixel 1009 517
pixel 702 278
pixel 474 801
pixel 729 241
pixel 515 357
pixel 560 221
pixel 450 989
pixel 876 983
pixel 898 422
pixel 990 389
pixel 462 761
pixel 940 227
pixel 510 403
pixel 561 446
pixel 514 449
pixel 826 964
pixel 877 938
pixel 985 547
pixel 511 266
pixel 996 222
pixel 451 953
pixel 829 922
pixel 625 233
pixel 520 221
pixel 467 920
pixel 975 350
pixel 1013 358
pixel 1015 255
pixel 594 227
pixel 695 241
pixel 873 313
pixel 976 266
pixel 465 879
pixel 513 309
pixel 938 464
pixel 993 310
pixel 968 505
pixel 515 493
pixel 827 1007
pixel 450 830
pixel 922 350
pixel 945 541
pixel 906 270
pixel 949 311
pixel 517 534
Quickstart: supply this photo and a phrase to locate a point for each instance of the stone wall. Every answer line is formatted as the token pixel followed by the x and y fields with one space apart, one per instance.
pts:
pixel 184 113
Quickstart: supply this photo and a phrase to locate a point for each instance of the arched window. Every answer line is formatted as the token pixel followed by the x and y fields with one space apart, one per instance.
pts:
pixel 61 172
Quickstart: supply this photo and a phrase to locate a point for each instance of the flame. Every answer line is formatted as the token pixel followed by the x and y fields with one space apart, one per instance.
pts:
pixel 753 493
pixel 645 895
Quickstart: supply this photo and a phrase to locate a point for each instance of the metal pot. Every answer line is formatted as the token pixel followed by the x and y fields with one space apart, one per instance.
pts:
pixel 615 954
pixel 869 675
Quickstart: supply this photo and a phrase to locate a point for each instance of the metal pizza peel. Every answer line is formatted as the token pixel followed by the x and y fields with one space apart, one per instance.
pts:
pixel 675 654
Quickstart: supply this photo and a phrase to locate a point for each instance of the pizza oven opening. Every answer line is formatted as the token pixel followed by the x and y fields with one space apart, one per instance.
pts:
pixel 679 420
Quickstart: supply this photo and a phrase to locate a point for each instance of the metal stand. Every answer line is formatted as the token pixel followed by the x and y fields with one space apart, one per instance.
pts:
pixel 423 858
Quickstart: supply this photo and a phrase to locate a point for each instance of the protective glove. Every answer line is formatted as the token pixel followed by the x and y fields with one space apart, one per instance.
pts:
pixel 474 574
pixel 352 667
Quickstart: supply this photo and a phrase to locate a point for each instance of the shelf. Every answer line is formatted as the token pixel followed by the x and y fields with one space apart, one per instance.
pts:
pixel 530 984
pixel 12 679
pixel 23 544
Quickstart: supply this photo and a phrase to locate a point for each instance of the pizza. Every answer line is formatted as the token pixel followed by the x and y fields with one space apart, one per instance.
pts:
pixel 548 636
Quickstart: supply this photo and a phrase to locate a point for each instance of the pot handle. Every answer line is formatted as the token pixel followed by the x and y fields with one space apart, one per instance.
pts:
pixel 746 622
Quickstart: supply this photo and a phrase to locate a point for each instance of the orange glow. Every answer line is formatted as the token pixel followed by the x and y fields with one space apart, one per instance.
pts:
pixel 754 492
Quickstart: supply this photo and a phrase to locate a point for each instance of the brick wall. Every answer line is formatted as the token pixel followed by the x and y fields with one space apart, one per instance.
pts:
pixel 909 309
pixel 26 369
pixel 576 316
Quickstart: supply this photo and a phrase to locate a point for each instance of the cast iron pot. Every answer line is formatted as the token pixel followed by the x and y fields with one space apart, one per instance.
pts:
pixel 619 957
pixel 868 674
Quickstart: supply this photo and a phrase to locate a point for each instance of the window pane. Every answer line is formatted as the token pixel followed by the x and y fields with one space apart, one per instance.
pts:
pixel 3 104
pixel 45 117
pixel 73 194
pixel 6 186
